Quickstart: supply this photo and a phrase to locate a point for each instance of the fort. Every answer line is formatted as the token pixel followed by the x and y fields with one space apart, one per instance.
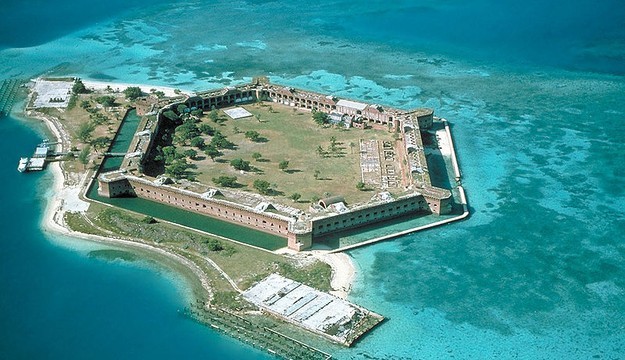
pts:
pixel 395 168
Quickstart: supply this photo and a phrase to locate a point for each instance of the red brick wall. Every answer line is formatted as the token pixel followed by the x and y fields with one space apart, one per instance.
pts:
pixel 211 208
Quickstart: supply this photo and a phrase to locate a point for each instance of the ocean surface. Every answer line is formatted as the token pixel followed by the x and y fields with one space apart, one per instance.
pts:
pixel 534 90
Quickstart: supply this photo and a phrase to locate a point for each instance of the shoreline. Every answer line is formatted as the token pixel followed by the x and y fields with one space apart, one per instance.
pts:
pixel 57 206
pixel 67 198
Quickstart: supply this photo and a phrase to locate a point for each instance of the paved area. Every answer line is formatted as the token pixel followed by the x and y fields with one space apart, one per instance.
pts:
pixel 54 94
pixel 238 113
pixel 370 162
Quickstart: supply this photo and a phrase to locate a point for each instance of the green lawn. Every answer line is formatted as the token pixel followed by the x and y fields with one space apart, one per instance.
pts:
pixel 293 136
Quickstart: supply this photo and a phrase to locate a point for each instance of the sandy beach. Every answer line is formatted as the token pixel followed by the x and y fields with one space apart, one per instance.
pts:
pixel 118 87
pixel 67 199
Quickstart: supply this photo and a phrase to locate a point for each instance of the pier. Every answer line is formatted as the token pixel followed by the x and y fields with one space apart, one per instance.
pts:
pixel 39 158
pixel 8 92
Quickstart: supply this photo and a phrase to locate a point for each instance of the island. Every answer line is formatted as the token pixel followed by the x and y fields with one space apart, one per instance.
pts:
pixel 250 190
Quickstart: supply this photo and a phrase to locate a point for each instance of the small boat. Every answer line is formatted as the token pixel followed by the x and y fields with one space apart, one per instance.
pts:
pixel 23 164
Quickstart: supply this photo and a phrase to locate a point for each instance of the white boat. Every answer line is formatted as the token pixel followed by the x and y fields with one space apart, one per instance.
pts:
pixel 23 164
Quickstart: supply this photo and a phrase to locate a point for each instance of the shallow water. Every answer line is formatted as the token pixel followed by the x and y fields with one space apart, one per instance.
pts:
pixel 534 94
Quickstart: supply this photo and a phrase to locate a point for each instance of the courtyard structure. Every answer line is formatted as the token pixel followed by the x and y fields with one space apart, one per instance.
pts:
pixel 365 164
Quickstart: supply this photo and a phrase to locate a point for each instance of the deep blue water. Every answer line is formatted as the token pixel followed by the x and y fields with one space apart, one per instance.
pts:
pixel 534 91
pixel 59 303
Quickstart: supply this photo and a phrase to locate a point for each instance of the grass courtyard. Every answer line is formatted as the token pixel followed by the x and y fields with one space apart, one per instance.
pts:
pixel 290 134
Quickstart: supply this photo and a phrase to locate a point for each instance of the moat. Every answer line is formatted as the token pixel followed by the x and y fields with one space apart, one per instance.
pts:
pixel 359 167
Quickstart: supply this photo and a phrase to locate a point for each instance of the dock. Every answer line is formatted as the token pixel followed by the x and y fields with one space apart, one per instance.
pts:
pixel 8 92
pixel 38 160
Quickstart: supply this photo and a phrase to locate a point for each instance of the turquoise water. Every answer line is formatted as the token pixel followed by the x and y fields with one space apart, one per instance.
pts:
pixel 534 92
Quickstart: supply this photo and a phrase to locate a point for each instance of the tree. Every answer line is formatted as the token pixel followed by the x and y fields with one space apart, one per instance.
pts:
pixel 170 154
pixel 181 108
pixel 257 156
pixel 148 220
pixel 263 186
pixel 171 115
pixel 351 147
pixel 207 129
pixel 212 152
pixel 213 245
pixel 236 130
pixel 79 87
pixel 198 142
pixel 320 118
pixel 83 157
pixel 283 165
pixel 257 116
pixel 100 142
pixel 271 109
pixel 317 174
pixel 240 164
pixel 197 112
pixel 361 186
pixel 190 153
pixel 186 131
pixel 98 118
pixel 106 100
pixel 133 92
pixel 213 115
pixel 85 131
pixel 227 181
pixel 177 169
pixel 252 135
pixel 85 104
pixel 220 141
pixel 295 197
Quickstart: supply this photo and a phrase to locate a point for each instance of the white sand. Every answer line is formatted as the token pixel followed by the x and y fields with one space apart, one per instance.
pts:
pixel 118 87
pixel 342 272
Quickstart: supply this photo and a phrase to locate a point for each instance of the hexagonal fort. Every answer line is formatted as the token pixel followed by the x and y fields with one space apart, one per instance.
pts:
pixel 378 148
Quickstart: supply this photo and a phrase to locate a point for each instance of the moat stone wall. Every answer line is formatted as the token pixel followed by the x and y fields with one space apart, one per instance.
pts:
pixel 219 209
pixel 369 215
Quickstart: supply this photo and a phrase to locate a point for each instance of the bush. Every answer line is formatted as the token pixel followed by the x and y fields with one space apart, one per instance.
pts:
pixel 79 87
pixel 133 92
pixel 227 181
pixel 263 186
pixel 252 135
pixel 240 164
pixel 213 244
pixel 106 100
pixel 148 220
